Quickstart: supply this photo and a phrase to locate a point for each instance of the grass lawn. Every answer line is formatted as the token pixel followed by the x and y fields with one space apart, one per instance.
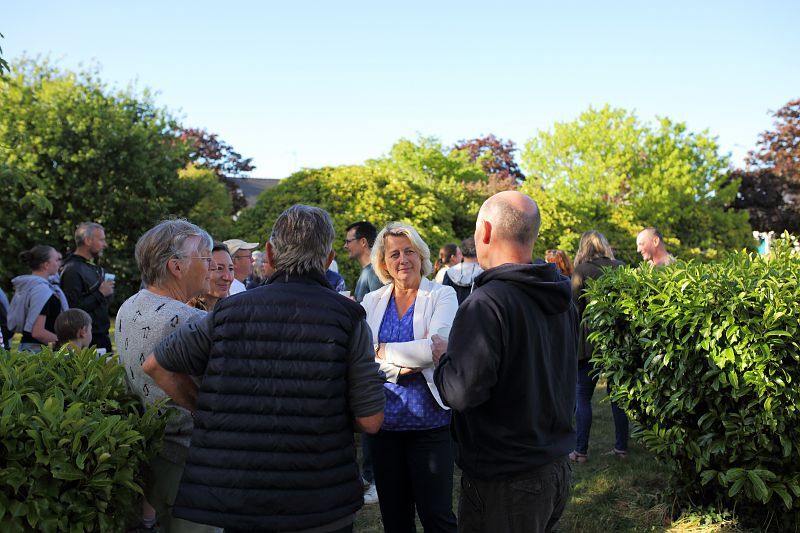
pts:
pixel 608 495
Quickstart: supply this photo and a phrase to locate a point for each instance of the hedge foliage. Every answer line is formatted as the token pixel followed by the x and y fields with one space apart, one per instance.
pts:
pixel 72 440
pixel 705 359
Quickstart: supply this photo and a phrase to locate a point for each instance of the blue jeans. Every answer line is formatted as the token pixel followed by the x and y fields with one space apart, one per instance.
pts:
pixel 584 390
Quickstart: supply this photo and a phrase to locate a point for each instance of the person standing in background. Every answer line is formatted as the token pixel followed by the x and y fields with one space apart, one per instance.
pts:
pixel 84 282
pixel 358 242
pixel 449 256
pixel 242 255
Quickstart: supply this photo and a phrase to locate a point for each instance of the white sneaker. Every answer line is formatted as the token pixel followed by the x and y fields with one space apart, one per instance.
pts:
pixel 371 494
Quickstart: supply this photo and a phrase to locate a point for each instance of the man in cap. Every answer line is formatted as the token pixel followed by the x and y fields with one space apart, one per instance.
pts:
pixel 242 255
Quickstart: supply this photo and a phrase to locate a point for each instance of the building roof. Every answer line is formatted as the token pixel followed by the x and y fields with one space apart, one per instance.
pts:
pixel 252 187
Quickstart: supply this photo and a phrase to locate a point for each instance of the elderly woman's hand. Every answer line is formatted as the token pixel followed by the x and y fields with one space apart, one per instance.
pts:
pixel 438 348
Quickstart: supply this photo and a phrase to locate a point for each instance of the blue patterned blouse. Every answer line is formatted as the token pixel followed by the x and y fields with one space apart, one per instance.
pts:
pixel 409 403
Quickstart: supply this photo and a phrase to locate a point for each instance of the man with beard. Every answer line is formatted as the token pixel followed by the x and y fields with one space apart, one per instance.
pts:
pixel 84 283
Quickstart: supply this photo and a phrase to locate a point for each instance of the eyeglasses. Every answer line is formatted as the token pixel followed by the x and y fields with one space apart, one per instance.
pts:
pixel 208 259
pixel 249 257
pixel 348 241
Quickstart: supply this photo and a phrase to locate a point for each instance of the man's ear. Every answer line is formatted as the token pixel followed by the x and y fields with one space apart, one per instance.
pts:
pixel 270 254
pixel 328 262
pixel 487 231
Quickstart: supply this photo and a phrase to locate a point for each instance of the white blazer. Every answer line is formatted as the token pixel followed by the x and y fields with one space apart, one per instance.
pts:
pixel 434 310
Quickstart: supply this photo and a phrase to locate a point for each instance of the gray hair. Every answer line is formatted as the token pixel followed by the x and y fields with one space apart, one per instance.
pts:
pixel 399 229
pixel 511 223
pixel 85 231
pixel 161 243
pixel 302 237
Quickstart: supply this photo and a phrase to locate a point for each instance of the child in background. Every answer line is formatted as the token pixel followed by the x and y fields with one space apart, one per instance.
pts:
pixel 74 328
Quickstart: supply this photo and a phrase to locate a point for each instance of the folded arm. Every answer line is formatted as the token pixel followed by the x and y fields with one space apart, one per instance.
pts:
pixel 417 353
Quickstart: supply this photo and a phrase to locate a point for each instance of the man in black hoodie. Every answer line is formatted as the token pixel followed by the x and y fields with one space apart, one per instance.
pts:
pixel 509 375
pixel 84 283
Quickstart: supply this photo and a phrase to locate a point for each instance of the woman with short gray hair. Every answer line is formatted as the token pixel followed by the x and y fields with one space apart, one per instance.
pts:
pixel 175 262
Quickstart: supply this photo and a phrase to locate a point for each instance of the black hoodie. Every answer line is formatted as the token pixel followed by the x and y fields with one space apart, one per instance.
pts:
pixel 509 372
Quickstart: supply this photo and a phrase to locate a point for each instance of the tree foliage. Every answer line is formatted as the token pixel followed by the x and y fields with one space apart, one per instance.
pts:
pixel 770 189
pixel 3 63
pixel 437 192
pixel 72 150
pixel 495 157
pixel 207 199
pixel 207 150
pixel 610 172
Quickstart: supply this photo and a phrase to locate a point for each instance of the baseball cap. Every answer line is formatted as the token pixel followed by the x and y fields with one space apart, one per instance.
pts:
pixel 234 245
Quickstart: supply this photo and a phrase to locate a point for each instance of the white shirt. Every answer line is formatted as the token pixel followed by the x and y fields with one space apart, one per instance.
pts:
pixel 236 287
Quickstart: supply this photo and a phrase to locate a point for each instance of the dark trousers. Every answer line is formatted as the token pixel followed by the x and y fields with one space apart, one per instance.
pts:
pixel 583 412
pixel 367 471
pixel 414 470
pixel 530 503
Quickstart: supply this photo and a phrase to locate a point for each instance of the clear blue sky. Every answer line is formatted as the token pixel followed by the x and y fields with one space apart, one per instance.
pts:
pixel 296 84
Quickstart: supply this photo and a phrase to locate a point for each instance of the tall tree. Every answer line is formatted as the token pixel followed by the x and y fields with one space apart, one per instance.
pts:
pixel 610 172
pixel 73 150
pixel 207 150
pixel 770 189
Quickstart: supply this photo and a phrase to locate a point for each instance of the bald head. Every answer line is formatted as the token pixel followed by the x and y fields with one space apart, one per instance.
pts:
pixel 514 217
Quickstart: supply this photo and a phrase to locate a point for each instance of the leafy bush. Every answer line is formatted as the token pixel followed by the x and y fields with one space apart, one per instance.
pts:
pixel 705 359
pixel 73 440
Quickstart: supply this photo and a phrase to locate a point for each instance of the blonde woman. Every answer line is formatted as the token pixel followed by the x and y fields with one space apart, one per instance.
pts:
pixel 593 258
pixel 412 454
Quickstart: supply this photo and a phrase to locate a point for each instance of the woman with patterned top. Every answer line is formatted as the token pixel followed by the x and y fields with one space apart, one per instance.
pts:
pixel 412 454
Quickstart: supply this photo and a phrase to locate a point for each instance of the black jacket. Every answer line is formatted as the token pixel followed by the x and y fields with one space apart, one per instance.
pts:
pixel 509 372
pixel 590 270
pixel 272 447
pixel 80 281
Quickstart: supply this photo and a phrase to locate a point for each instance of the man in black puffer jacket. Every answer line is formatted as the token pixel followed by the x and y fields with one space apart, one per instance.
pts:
pixel 287 371
pixel 509 376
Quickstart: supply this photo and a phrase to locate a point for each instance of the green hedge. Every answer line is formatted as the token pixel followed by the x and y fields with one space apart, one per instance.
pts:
pixel 705 360
pixel 72 440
